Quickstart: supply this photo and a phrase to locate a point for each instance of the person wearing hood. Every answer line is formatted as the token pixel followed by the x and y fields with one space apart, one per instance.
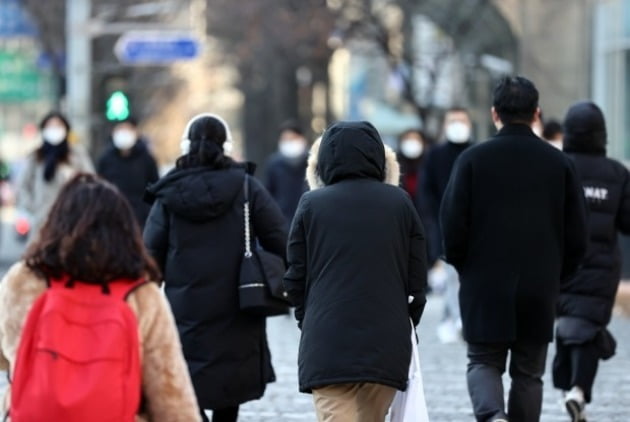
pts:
pixel 412 148
pixel 195 232
pixel 129 165
pixel 286 170
pixel 357 275
pixel 513 235
pixel 587 298
pixel 437 171
pixel 49 168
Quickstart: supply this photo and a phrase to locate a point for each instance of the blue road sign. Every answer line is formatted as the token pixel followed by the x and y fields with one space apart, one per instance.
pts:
pixel 14 21
pixel 137 47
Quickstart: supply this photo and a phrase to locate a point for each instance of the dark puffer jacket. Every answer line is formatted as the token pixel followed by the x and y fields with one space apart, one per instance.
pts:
pixel 285 182
pixel 590 294
pixel 356 252
pixel 132 174
pixel 195 232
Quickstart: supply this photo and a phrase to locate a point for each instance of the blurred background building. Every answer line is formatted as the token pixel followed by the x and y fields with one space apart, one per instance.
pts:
pixel 398 63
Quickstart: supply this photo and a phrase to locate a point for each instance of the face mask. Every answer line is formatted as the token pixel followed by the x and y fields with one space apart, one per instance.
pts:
pixel 458 132
pixel 557 144
pixel 292 148
pixel 411 148
pixel 54 135
pixel 124 139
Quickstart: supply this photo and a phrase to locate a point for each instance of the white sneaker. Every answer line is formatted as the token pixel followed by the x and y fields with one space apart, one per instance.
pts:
pixel 575 404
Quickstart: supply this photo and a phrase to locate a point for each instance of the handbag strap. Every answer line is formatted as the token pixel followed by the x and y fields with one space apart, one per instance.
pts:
pixel 248 234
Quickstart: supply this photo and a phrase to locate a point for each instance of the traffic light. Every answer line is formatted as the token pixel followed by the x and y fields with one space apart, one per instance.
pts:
pixel 117 107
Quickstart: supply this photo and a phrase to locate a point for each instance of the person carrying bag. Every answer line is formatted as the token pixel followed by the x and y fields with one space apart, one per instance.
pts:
pixel 410 405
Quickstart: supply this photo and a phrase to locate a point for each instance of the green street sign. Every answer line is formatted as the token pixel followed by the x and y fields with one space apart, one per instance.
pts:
pixel 19 78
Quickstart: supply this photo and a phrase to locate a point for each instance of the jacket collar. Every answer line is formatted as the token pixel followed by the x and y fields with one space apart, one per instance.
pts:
pixel 516 129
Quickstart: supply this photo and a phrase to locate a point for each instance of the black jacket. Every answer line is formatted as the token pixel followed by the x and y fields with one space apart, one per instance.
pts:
pixel 514 223
pixel 132 174
pixel 195 232
pixel 356 253
pixel 286 182
pixel 590 293
pixel 438 165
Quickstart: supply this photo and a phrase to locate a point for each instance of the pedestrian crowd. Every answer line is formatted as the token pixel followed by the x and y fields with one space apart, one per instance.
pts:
pixel 129 302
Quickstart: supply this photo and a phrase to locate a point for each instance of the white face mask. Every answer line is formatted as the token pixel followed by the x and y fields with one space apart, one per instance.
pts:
pixel 292 148
pixel 54 135
pixel 124 139
pixel 557 144
pixel 458 132
pixel 411 148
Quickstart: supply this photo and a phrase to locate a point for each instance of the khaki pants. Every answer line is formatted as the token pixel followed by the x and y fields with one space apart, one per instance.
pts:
pixel 362 402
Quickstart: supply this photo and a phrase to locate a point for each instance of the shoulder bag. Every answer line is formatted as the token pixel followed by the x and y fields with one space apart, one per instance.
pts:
pixel 260 291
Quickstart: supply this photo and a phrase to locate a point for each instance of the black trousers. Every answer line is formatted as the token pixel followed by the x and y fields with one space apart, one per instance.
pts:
pixel 229 414
pixel 486 365
pixel 576 365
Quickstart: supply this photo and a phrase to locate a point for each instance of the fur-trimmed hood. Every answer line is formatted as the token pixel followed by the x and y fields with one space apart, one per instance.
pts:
pixel 351 150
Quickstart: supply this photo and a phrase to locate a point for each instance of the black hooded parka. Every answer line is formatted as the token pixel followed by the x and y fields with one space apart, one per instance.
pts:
pixel 356 253
pixel 196 233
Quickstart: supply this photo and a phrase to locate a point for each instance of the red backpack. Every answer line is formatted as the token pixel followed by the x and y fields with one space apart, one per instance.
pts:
pixel 79 356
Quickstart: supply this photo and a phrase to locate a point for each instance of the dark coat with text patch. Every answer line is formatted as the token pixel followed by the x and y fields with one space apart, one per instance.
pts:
pixel 514 226
pixel 590 293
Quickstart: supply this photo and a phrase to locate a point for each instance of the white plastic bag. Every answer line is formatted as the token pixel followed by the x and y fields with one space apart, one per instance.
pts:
pixel 410 405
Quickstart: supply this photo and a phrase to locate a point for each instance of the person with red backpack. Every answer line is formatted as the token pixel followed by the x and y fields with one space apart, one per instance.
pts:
pixel 84 334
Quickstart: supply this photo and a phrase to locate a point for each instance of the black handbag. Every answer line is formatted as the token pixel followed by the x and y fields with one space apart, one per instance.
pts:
pixel 260 290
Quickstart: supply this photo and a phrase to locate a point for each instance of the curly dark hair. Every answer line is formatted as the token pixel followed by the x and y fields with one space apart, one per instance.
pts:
pixel 92 236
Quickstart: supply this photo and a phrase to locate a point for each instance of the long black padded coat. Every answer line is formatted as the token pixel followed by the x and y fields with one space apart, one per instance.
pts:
pixel 514 225
pixel 195 232
pixel 356 253
pixel 590 293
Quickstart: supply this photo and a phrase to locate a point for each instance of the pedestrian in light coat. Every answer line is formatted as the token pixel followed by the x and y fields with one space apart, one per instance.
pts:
pixel 49 168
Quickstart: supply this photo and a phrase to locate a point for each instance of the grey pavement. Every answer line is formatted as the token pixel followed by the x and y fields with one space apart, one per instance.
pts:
pixel 444 370
pixel 443 366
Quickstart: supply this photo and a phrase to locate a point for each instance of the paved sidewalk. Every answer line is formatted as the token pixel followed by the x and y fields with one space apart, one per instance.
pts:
pixel 444 368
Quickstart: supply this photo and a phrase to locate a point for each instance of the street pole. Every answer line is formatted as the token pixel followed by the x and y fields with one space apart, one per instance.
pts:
pixel 78 68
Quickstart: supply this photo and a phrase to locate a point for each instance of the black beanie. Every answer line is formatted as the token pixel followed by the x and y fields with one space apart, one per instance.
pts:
pixel 585 129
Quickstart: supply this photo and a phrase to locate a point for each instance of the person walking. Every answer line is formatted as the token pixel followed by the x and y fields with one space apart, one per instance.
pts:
pixel 195 232
pixel 437 171
pixel 357 274
pixel 286 170
pixel 514 226
pixel 129 165
pixel 47 169
pixel 586 299
pixel 412 150
pixel 91 236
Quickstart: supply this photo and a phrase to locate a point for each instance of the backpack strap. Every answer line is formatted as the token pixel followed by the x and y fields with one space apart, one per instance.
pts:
pixel 118 288
pixel 123 288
